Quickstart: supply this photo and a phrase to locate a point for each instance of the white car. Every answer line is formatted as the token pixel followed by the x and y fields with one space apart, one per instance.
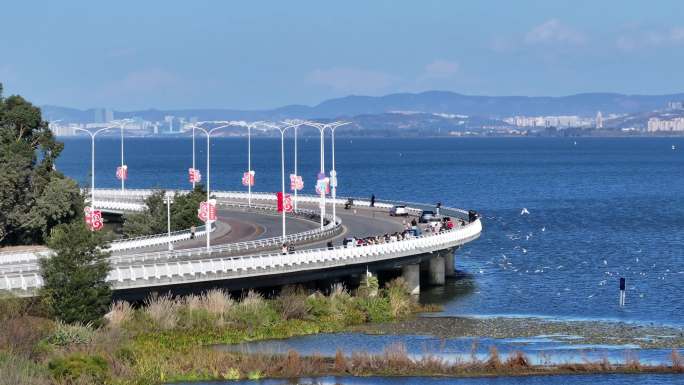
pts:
pixel 398 211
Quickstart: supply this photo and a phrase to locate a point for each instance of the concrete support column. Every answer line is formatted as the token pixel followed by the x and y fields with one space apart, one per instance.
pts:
pixel 411 274
pixel 436 273
pixel 449 263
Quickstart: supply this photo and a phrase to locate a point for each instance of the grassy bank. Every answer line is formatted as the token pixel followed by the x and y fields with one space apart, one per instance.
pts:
pixel 166 338
pixel 169 339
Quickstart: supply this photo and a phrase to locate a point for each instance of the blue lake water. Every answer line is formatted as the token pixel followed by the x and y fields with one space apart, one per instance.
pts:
pixel 599 209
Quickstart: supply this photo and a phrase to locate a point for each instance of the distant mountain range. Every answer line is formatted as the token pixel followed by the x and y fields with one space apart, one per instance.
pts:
pixel 433 102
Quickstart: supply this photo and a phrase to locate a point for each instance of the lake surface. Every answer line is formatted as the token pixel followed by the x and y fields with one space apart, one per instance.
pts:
pixel 599 209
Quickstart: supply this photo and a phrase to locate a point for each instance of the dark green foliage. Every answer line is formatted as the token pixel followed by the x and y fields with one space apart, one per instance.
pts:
pixel 34 197
pixel 74 288
pixel 80 367
pixel 153 219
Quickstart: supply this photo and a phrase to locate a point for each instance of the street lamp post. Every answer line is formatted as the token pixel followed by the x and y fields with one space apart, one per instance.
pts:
pixel 168 219
pixel 207 227
pixel 193 158
pixel 92 162
pixel 281 129
pixel 123 179
pixel 321 129
pixel 333 172
pixel 249 155
pixel 295 124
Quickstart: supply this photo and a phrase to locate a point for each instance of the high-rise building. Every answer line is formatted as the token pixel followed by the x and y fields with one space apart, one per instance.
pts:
pixel 108 115
pixel 169 119
pixel 599 120
pixel 99 115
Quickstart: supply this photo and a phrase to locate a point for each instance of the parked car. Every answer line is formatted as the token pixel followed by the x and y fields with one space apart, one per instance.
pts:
pixel 398 211
pixel 349 242
pixel 427 216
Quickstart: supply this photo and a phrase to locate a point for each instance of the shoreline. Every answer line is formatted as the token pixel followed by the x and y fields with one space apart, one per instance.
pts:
pixel 591 332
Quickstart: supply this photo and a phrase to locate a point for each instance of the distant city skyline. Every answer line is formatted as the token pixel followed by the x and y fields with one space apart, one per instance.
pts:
pixel 129 55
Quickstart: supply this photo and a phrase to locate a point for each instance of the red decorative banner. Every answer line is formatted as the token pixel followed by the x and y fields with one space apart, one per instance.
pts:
pixel 194 175
pixel 207 211
pixel 248 178
pixel 284 202
pixel 122 172
pixel 93 218
pixel 296 182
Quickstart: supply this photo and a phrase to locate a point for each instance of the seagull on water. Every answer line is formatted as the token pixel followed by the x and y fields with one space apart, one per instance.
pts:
pixel 524 211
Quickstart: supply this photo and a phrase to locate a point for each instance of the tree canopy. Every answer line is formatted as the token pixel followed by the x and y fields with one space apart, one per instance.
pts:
pixel 153 219
pixel 74 287
pixel 34 197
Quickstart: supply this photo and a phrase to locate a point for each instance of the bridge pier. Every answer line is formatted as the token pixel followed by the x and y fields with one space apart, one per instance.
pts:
pixel 411 274
pixel 449 262
pixel 436 270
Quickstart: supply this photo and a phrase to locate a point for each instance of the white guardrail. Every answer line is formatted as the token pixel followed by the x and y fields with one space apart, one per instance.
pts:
pixel 164 268
pixel 28 261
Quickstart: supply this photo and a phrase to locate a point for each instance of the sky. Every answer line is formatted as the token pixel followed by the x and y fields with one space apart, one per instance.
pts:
pixel 131 55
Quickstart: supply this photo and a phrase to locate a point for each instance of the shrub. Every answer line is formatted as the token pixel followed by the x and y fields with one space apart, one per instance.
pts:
pixel 11 306
pixel 677 361
pixel 15 370
pixel 292 303
pixel 69 334
pixel 119 313
pixel 163 310
pixel 255 375
pixel 21 335
pixel 377 308
pixel 253 311
pixel 232 374
pixel 399 299
pixel 79 367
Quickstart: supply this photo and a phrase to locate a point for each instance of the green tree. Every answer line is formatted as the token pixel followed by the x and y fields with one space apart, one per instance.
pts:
pixel 34 197
pixel 152 220
pixel 74 287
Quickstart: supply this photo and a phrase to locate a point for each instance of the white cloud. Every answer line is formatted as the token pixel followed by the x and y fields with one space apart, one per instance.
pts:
pixel 351 80
pixel 440 69
pixel 553 31
pixel 639 39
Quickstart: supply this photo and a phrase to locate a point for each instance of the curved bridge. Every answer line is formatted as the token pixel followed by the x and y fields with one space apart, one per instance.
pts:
pixel 259 262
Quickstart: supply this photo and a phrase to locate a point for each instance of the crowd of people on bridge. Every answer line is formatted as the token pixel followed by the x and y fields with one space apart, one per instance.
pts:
pixel 411 229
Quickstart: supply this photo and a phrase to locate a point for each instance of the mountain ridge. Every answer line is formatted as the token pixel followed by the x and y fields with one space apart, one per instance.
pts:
pixel 583 104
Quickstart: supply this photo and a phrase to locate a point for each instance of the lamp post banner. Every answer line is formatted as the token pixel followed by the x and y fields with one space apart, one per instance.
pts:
pixel 207 211
pixel 296 182
pixel 93 218
pixel 284 202
pixel 322 184
pixel 248 178
pixel 122 172
pixel 194 175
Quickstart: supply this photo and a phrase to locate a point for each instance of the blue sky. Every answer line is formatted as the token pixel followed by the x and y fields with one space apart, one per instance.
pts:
pixel 263 54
